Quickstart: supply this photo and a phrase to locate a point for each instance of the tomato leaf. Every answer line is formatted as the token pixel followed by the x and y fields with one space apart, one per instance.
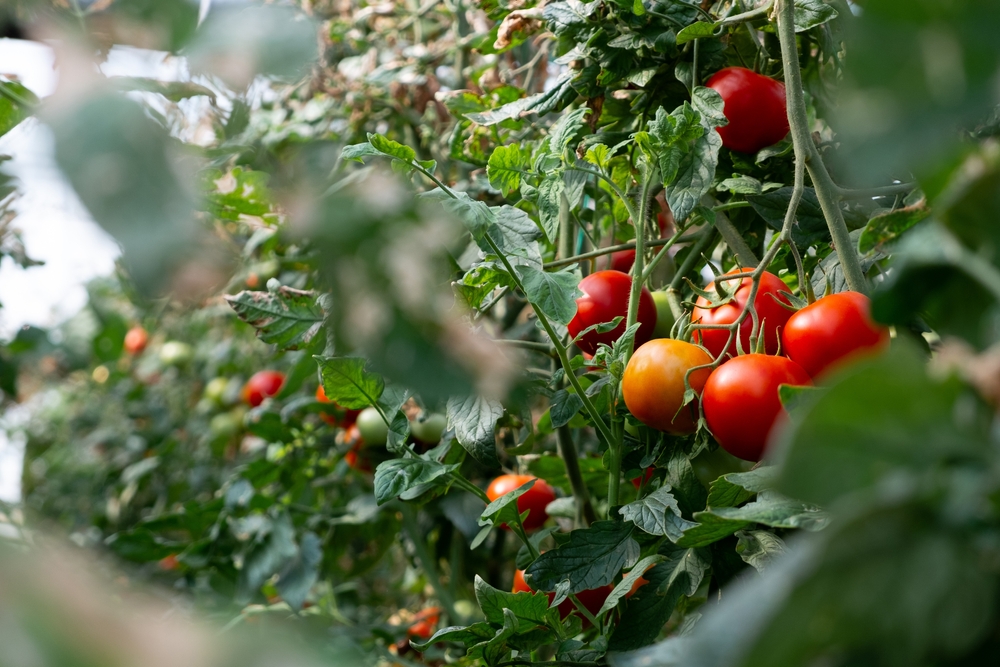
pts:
pixel 505 505
pixel 286 317
pixel 658 514
pixel 474 420
pixel 347 383
pixel 625 585
pixel 505 166
pixel 563 406
pixel 696 31
pixel 737 487
pixel 397 476
pixel 811 13
pixel 549 195
pixel 593 557
pixel 554 293
pixel 16 104
pixel 532 607
pixel 886 228
pixel 759 547
pixel 565 129
pixel 467 635
pixel 770 509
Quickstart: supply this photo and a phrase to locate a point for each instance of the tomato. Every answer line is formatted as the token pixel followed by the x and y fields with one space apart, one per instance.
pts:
pixel 372 427
pixel 605 297
pixel 664 315
pixel 348 418
pixel 754 106
pixel 741 401
pixel 356 456
pixel 592 600
pixel 169 563
pixel 771 315
pixel 624 259
pixel 175 353
pixel 653 384
pixel 534 499
pixel 261 385
pixel 833 332
pixel 424 622
pixel 136 340
pixel 643 478
pixel 428 427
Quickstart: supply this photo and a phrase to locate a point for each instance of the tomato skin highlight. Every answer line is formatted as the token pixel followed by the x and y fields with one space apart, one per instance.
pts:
pixel 653 384
pixel 741 401
pixel 261 385
pixel 833 332
pixel 605 297
pixel 534 499
pixel 771 314
pixel 755 107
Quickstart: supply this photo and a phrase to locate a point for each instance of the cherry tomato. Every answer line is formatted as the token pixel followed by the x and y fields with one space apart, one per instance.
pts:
pixel 535 499
pixel 592 599
pixel 261 385
pixel 136 340
pixel 833 332
pixel 643 478
pixel 169 563
pixel 771 315
pixel 742 404
pixel 754 106
pixel 653 384
pixel 605 297
pixel 420 630
pixel 348 418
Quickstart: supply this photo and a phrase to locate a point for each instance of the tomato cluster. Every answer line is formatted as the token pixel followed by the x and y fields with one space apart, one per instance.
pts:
pixel 740 397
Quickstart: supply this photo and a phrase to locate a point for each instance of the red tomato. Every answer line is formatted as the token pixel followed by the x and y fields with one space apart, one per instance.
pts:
pixel 592 600
pixel 261 385
pixel 420 630
pixel 535 499
pixel 644 478
pixel 771 314
pixel 136 340
pixel 169 563
pixel 605 297
pixel 754 106
pixel 349 416
pixel 833 332
pixel 741 401
pixel 653 384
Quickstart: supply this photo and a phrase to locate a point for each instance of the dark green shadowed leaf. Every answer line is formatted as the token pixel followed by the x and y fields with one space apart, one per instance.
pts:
pixel 288 318
pixel 593 557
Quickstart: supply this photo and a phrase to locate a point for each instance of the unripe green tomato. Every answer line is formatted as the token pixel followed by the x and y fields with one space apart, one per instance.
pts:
pixel 428 427
pixel 465 609
pixel 664 316
pixel 175 353
pixel 631 429
pixel 372 427
pixel 226 424
pixel 216 389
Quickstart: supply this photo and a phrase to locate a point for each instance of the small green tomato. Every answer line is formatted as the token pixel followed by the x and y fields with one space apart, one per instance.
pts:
pixel 428 427
pixel 664 316
pixel 175 353
pixel 372 427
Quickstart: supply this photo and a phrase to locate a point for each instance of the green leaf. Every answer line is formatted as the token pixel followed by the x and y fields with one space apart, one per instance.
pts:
pixel 468 635
pixel 474 420
pixel 695 31
pixel 565 130
pixel 477 217
pixel 504 508
pixel 658 514
pixel 758 548
pixel 744 185
pixel 769 509
pixel 625 585
pixel 554 293
pixel 298 577
pixel 886 228
pixel 565 16
pixel 560 93
pixel 396 476
pixel 563 406
pixel 650 608
pixel 236 193
pixel 811 13
pixel 737 487
pixel 358 151
pixel 288 318
pixel 532 607
pixel 496 649
pixel 866 425
pixel 550 192
pixel 591 558
pixel 273 549
pixel 793 396
pixel 599 155
pixel 505 166
pixel 16 104
pixel 515 234
pixel 390 402
pixel 708 102
pixel 347 383
pixel 810 226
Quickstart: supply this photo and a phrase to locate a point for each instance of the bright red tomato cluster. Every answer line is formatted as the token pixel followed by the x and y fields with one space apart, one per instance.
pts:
pixel 605 297
pixel 534 499
pixel 754 107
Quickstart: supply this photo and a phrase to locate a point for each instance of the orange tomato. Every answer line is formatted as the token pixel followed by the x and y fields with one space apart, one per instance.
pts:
pixel 653 384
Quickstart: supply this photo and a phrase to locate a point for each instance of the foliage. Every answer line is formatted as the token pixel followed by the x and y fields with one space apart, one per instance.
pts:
pixel 402 215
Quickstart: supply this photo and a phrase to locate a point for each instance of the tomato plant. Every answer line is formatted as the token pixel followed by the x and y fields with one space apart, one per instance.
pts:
pixel 742 404
pixel 832 332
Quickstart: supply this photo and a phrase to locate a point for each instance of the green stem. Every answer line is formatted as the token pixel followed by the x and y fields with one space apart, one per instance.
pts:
pixel 734 240
pixel 575 259
pixel 870 193
pixel 826 190
pixel 585 514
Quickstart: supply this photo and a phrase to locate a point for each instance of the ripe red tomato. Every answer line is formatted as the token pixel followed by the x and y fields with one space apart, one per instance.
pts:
pixel 771 314
pixel 136 340
pixel 653 384
pixel 348 416
pixel 833 332
pixel 754 106
pixel 643 478
pixel 169 563
pixel 261 385
pixel 741 401
pixel 592 600
pixel 605 297
pixel 535 499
